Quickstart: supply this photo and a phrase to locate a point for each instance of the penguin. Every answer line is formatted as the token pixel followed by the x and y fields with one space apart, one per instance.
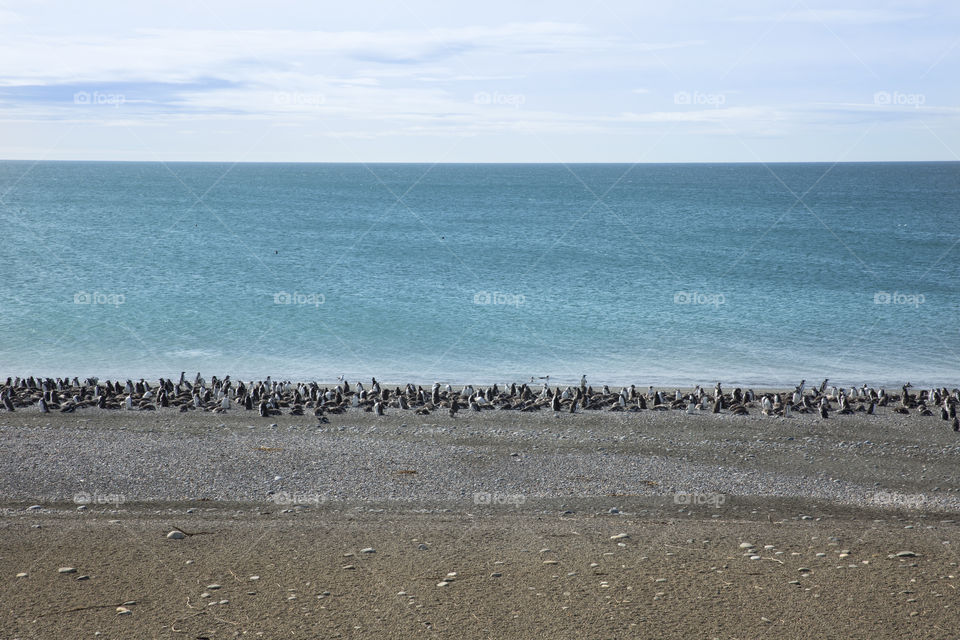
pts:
pixel 823 411
pixel 454 407
pixel 43 406
pixel 956 424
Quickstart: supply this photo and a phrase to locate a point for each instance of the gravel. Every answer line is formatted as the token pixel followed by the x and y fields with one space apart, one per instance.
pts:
pixel 105 459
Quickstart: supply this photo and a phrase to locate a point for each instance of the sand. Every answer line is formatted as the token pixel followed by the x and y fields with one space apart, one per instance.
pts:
pixel 517 506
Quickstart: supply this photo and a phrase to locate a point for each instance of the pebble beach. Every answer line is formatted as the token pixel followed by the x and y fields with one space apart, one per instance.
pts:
pixel 169 524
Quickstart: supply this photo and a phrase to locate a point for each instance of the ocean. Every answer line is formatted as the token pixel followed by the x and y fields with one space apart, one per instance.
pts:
pixel 663 274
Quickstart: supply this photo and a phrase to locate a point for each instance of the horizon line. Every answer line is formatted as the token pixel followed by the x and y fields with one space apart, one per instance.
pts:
pixel 488 162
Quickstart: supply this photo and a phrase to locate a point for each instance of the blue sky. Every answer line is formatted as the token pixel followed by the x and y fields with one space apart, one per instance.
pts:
pixel 583 81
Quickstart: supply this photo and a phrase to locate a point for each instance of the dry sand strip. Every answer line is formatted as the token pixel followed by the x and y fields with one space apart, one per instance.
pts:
pixel 493 573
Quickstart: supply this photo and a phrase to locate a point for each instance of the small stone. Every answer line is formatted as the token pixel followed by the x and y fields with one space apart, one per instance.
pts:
pixel 66 570
pixel 803 570
pixel 746 545
pixel 660 580
pixel 224 602
pixel 349 567
pixel 82 507
pixel 35 507
pixel 422 547
pixel 21 575
pixel 496 574
pixel 368 550
pixel 205 594
pixel 79 578
pixel 906 554
pixel 551 562
pixel 620 536
pixel 613 510
pixel 401 593
pixel 442 583
pixel 213 587
pixel 254 577
pixel 176 535
pixel 123 611
pixel 754 557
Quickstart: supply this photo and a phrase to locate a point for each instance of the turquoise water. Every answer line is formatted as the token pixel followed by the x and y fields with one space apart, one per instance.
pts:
pixel 659 274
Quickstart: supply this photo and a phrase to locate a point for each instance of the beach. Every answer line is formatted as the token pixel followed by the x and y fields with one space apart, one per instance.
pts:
pixel 601 524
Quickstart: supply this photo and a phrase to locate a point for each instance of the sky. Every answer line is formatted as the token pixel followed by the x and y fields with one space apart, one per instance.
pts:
pixel 491 81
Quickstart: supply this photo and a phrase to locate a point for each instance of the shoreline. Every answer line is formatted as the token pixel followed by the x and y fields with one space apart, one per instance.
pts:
pixel 685 384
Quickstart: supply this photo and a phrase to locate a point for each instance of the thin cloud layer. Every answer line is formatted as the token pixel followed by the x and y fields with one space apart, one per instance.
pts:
pixel 595 87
